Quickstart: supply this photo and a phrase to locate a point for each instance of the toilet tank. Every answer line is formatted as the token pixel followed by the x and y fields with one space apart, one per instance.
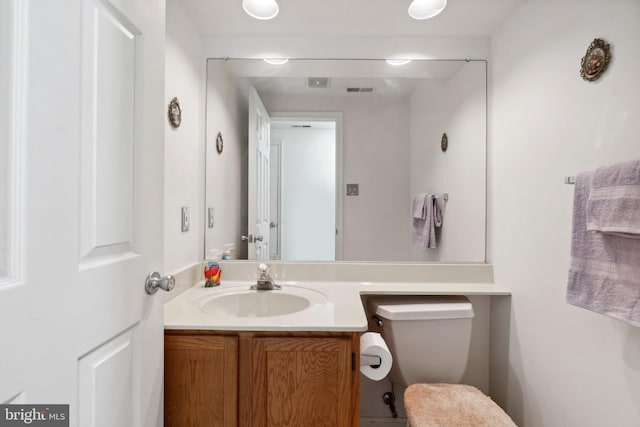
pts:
pixel 428 336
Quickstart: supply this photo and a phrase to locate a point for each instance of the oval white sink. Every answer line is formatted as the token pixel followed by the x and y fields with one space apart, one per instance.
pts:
pixel 249 303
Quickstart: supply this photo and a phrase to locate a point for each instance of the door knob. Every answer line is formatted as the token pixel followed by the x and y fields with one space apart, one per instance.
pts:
pixel 258 238
pixel 248 238
pixel 155 281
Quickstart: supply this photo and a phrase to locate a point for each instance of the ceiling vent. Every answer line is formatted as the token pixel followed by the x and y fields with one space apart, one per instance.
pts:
pixel 360 90
pixel 318 82
pixel 301 126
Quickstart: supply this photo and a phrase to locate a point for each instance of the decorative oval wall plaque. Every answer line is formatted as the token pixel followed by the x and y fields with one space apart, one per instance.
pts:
pixel 595 61
pixel 175 113
pixel 219 143
pixel 444 142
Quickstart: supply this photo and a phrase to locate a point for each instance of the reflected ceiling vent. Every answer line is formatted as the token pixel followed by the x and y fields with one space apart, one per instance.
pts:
pixel 301 126
pixel 318 82
pixel 360 89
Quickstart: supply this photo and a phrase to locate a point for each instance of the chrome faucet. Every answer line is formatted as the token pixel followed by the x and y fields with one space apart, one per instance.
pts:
pixel 265 281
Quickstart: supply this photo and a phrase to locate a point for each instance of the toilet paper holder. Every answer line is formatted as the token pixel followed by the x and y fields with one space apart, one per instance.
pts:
pixel 370 360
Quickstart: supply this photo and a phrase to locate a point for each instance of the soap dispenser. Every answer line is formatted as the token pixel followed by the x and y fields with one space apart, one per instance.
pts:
pixel 228 251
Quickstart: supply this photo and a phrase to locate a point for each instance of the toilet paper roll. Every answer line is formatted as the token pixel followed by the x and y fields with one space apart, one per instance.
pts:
pixel 372 344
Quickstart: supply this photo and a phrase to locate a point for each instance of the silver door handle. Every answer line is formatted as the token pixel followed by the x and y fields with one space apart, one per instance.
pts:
pixel 248 238
pixel 155 281
pixel 258 238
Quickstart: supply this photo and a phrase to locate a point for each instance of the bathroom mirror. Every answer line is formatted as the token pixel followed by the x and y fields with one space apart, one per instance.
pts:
pixel 323 158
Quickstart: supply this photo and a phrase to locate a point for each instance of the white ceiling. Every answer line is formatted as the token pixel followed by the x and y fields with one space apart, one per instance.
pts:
pixel 354 18
pixel 291 78
pixel 345 68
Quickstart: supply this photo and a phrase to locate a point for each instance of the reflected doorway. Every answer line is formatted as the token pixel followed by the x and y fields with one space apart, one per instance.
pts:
pixel 303 188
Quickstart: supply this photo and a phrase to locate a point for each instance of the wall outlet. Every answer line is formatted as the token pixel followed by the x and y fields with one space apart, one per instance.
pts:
pixel 210 217
pixel 186 219
pixel 352 189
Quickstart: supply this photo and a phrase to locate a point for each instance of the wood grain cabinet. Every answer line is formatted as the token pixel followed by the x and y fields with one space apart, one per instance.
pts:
pixel 201 380
pixel 261 379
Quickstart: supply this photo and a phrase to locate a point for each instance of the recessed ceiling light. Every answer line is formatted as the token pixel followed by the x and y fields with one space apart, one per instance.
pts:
pixel 425 9
pixel 397 62
pixel 276 61
pixel 261 9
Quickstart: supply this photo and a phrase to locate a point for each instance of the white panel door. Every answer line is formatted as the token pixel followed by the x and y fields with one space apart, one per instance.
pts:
pixel 258 204
pixel 81 188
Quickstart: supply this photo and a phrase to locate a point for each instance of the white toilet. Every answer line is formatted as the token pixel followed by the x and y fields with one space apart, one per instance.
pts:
pixel 428 336
pixel 429 339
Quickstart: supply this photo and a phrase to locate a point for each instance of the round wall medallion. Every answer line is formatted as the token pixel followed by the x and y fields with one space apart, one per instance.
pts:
pixel 444 143
pixel 175 113
pixel 219 143
pixel 595 61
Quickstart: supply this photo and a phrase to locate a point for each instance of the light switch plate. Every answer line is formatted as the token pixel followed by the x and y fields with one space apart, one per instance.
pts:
pixel 210 217
pixel 186 219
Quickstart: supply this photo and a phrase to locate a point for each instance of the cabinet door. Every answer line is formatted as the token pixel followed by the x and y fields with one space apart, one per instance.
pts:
pixel 201 381
pixel 302 382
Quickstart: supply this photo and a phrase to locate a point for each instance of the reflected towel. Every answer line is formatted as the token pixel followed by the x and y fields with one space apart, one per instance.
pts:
pixel 604 275
pixel 423 232
pixel 419 205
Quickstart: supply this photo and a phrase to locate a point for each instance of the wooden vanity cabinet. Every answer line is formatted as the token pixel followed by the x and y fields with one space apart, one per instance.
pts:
pixel 200 380
pixel 280 379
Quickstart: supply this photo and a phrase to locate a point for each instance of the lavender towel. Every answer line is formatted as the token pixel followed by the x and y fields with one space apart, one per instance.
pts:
pixel 419 206
pixel 423 233
pixel 604 275
pixel 614 200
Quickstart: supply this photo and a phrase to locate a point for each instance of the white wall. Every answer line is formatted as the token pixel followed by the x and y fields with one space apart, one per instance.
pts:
pixel 184 146
pixel 226 174
pixel 308 193
pixel 563 366
pixel 458 108
pixel 6 33
pixel 375 155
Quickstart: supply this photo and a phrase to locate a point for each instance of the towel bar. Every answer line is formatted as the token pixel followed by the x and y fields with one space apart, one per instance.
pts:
pixel 570 180
pixel 443 196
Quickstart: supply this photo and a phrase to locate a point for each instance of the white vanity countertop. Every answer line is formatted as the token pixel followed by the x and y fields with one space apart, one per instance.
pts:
pixel 343 310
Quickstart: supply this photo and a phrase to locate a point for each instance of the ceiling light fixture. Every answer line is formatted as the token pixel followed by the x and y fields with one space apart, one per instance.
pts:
pixel 398 62
pixel 425 9
pixel 261 9
pixel 276 61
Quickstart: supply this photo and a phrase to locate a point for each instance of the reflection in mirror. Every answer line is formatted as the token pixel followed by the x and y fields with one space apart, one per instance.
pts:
pixel 298 135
